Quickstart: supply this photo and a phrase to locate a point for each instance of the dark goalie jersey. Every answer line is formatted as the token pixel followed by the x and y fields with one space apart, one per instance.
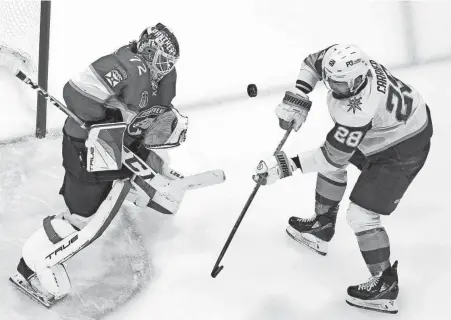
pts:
pixel 385 112
pixel 118 82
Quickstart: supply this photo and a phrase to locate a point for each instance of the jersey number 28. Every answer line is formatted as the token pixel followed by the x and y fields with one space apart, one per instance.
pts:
pixel 350 138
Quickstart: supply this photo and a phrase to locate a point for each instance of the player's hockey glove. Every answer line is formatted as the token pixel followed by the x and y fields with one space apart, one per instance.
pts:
pixel 276 167
pixel 293 108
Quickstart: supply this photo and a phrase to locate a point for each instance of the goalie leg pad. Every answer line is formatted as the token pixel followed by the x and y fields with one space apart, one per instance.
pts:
pixel 42 243
pixel 59 240
pixel 55 280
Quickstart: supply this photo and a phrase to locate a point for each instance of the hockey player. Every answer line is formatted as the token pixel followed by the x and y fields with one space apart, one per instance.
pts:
pixel 383 127
pixel 135 85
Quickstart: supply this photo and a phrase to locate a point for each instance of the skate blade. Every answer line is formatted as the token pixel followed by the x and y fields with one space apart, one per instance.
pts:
pixel 379 305
pixel 314 243
pixel 25 288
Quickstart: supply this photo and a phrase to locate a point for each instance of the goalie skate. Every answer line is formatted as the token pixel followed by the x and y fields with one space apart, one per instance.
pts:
pixel 23 285
pixel 308 240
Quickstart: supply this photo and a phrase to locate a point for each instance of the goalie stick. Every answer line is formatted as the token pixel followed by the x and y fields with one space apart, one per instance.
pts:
pixel 136 165
pixel 217 268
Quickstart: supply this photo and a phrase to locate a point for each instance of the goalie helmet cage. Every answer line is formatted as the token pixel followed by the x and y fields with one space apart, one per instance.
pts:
pixel 25 34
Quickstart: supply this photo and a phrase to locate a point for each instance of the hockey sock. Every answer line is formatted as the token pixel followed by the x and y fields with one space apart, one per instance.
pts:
pixel 375 248
pixel 329 191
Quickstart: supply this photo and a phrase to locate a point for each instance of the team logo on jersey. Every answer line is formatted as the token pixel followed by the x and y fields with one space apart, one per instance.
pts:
pixel 144 99
pixel 354 104
pixel 114 77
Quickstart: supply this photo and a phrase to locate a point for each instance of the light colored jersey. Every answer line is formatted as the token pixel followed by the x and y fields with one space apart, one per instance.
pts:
pixel 384 112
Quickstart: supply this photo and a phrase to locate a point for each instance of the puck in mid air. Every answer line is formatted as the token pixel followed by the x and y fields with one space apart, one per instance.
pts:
pixel 252 90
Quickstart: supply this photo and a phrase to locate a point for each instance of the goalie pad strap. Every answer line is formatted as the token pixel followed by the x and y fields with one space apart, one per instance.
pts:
pixel 50 231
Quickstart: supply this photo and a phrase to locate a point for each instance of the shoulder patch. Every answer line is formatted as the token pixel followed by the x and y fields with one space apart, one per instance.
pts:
pixel 115 76
pixel 122 72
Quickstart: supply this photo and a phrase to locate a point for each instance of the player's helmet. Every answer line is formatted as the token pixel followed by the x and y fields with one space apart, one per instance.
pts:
pixel 344 69
pixel 160 49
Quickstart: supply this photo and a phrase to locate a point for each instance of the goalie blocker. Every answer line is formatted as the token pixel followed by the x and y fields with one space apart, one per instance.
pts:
pixel 104 147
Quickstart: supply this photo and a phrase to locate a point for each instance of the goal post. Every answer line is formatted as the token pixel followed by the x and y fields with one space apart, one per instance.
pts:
pixel 43 68
pixel 24 44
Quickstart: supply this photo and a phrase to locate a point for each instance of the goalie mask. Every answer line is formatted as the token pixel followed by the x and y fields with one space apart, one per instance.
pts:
pixel 160 49
pixel 344 70
pixel 167 130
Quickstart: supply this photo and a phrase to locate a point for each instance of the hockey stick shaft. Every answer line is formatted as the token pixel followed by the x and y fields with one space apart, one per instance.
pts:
pixel 23 77
pixel 217 268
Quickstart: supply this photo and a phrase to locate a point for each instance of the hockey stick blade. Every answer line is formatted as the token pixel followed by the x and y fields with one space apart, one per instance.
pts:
pixel 200 180
pixel 216 271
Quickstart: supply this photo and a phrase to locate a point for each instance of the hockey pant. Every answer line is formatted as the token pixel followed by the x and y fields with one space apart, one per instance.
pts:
pixel 84 191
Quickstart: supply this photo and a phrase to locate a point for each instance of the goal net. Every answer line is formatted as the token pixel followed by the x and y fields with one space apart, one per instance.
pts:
pixel 24 45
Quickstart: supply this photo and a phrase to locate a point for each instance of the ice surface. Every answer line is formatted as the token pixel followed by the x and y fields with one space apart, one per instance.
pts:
pixel 267 275
pixel 150 266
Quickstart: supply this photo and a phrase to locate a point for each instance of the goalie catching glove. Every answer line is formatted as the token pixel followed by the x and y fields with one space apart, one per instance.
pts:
pixel 293 108
pixel 158 127
pixel 274 168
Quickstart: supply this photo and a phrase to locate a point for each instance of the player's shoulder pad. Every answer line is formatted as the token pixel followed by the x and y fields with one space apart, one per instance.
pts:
pixel 355 111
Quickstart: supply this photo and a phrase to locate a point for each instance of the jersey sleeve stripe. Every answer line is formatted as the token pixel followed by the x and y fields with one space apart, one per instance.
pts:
pixel 87 83
pixel 91 95
pixel 329 160
pixel 303 86
pixel 100 79
pixel 337 156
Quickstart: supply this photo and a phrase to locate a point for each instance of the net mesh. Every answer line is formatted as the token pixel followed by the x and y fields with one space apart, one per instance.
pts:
pixel 19 33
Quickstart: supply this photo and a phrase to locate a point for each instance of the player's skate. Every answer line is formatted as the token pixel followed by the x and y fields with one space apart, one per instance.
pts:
pixel 378 294
pixel 314 232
